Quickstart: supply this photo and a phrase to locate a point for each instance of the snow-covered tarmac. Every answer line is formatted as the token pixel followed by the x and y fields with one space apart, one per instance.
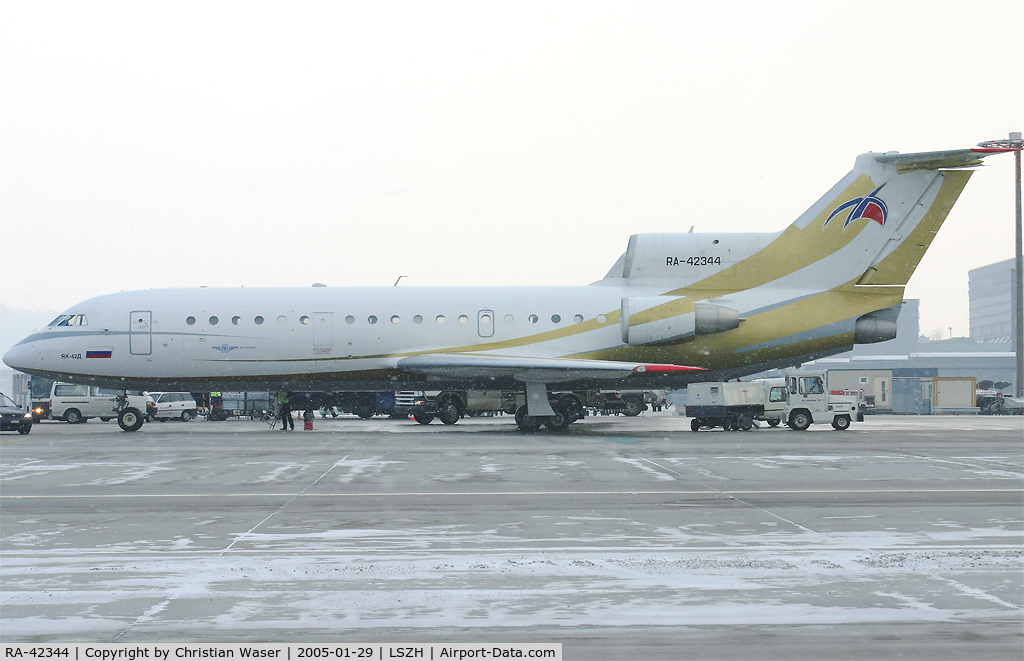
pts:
pixel 621 538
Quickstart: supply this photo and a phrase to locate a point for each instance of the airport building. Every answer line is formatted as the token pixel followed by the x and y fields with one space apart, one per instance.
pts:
pixel 991 303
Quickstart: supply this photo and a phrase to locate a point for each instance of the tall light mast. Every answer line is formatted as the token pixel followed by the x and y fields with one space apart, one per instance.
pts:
pixel 1016 144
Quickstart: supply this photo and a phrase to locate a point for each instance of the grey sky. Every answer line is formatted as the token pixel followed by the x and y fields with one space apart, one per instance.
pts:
pixel 239 143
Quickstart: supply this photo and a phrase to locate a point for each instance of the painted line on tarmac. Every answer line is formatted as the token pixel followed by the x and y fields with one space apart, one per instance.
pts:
pixel 733 495
pixel 401 494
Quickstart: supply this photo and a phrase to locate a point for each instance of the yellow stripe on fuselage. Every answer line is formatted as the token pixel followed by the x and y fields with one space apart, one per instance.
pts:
pixel 672 308
pixel 800 316
pixel 791 251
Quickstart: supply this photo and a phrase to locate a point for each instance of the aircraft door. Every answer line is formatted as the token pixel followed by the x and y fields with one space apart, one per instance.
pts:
pixel 323 329
pixel 140 335
pixel 485 323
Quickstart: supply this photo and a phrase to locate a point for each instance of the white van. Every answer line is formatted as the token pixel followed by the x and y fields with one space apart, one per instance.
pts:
pixel 173 406
pixel 77 403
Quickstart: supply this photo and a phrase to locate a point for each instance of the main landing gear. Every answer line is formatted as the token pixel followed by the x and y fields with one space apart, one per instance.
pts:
pixel 566 410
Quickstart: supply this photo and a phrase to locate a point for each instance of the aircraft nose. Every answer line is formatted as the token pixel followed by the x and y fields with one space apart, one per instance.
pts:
pixel 21 356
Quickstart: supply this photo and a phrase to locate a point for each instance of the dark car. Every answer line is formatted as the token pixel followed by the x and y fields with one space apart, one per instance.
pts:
pixel 14 418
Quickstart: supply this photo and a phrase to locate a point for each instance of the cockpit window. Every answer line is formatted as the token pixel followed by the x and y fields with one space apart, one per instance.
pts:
pixel 70 320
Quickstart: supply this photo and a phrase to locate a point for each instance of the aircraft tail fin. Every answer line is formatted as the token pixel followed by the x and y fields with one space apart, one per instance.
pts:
pixel 871 228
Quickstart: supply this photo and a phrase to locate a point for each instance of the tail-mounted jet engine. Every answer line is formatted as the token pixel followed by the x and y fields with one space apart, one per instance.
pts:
pixel 662 319
pixel 877 326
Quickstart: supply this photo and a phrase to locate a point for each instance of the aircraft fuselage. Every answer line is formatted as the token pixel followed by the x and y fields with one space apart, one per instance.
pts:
pixel 327 338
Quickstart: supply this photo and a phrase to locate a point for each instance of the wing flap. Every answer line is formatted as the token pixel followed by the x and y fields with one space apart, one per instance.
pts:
pixel 528 369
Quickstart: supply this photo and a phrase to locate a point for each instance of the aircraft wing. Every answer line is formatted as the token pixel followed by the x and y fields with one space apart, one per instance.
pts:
pixel 526 369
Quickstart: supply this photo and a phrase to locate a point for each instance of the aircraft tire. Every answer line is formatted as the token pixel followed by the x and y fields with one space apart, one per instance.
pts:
pixel 557 422
pixel 572 407
pixel 130 419
pixel 526 422
pixel 841 423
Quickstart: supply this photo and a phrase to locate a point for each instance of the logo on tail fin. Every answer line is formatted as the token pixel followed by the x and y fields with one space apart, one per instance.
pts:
pixel 869 206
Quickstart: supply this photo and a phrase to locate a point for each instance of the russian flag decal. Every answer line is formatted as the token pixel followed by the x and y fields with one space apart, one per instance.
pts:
pixel 98 353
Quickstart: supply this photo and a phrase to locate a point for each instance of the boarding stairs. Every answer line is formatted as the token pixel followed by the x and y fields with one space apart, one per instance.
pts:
pixel 272 414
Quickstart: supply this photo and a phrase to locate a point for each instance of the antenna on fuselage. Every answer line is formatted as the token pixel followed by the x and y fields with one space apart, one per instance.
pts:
pixel 399 278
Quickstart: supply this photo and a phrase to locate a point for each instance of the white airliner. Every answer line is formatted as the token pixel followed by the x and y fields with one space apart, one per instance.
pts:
pixel 675 308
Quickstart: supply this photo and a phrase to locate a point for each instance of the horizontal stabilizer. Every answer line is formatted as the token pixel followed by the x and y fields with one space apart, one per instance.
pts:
pixel 934 160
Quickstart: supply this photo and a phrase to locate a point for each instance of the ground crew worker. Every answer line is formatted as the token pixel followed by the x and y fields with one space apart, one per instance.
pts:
pixel 284 400
pixel 215 403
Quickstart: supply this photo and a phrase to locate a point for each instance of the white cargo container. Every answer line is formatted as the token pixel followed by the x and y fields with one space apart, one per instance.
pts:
pixel 736 404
